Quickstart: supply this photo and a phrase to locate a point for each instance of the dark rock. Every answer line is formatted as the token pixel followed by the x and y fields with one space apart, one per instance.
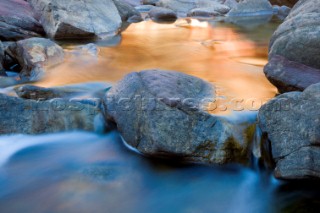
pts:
pixel 159 14
pixel 289 3
pixel 1 57
pixel 164 114
pixel 291 123
pixel 179 6
pixel 203 12
pixel 17 21
pixel 78 91
pixel 78 19
pixel 289 75
pixel 35 117
pixel 150 2
pixel 297 40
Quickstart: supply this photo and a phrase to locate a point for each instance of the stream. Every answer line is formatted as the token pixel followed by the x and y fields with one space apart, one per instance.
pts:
pixel 86 172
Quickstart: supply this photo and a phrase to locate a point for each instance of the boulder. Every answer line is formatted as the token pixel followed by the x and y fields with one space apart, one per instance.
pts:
pixel 17 21
pixel 179 6
pixel 35 117
pixel 289 75
pixel 213 5
pixel 165 114
pixel 160 14
pixel 203 12
pixel 297 40
pixel 127 12
pixel 34 55
pixel 251 8
pixel 1 56
pixel 78 19
pixel 291 123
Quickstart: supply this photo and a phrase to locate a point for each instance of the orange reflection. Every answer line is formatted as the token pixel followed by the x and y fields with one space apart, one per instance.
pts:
pixel 217 54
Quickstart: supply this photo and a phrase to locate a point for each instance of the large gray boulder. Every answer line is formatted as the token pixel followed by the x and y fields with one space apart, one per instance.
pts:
pixel 18 21
pixel 127 13
pixel 34 117
pixel 163 114
pixel 291 122
pixel 296 41
pixel 78 19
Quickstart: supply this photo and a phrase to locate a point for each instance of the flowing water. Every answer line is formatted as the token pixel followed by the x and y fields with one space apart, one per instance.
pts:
pixel 85 172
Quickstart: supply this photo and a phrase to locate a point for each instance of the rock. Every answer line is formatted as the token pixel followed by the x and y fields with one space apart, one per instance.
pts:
pixel 288 3
pixel 231 3
pixel 289 75
pixel 17 21
pixel 164 114
pixel 78 91
pixel 34 55
pixel 159 14
pixel 87 49
pixel 297 40
pixel 252 8
pixel 213 5
pixel 78 19
pixel 203 12
pixel 36 117
pixel 1 57
pixel 291 122
pixel 127 12
pixel 144 8
pixel 150 2
pixel 179 6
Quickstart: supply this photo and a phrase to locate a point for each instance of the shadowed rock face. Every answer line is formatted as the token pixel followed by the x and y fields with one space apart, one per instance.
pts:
pixel 78 19
pixel 297 40
pixel 36 117
pixel 161 113
pixel 292 124
pixel 1 56
pixel 289 3
pixel 17 21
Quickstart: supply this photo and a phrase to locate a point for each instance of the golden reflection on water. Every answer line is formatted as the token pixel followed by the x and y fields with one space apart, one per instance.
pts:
pixel 220 54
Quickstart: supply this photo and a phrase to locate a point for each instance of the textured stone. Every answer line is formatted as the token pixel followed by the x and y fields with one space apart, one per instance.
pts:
pixel 251 8
pixel 291 122
pixel 17 21
pixel 78 19
pixel 162 114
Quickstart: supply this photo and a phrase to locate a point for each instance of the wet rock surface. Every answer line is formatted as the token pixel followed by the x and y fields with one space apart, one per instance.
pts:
pixel 160 14
pixel 35 117
pixel 74 19
pixel 291 122
pixel 18 21
pixel 161 114
pixel 297 40
pixel 251 8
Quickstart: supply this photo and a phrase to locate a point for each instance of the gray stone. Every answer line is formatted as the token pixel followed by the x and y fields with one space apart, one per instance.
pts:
pixel 1 56
pixel 34 55
pixel 291 122
pixel 231 3
pixel 297 40
pixel 213 5
pixel 78 19
pixel 127 12
pixel 252 8
pixel 36 117
pixel 160 14
pixel 203 12
pixel 179 6
pixel 144 8
pixel 17 21
pixel 164 114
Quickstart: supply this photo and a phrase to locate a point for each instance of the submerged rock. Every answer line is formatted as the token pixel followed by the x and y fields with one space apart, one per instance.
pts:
pixel 78 19
pixel 17 21
pixel 203 12
pixel 36 117
pixel 79 91
pixel 34 55
pixel 252 8
pixel 164 114
pixel 297 40
pixel 159 14
pixel 291 122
